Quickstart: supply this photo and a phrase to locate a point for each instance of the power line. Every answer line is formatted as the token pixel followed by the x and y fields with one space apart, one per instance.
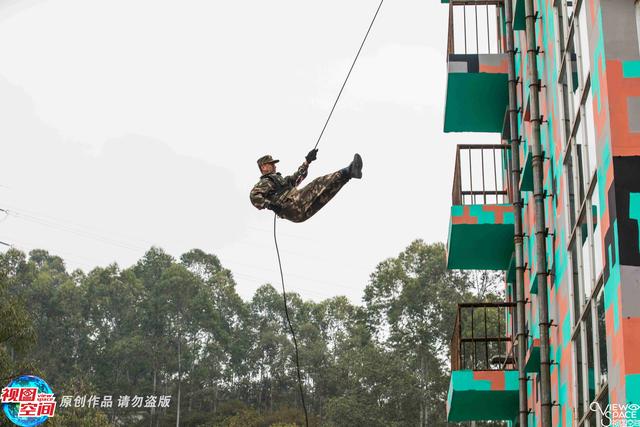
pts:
pixel 60 226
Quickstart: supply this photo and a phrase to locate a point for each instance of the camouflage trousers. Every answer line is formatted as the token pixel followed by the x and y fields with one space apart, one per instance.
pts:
pixel 298 205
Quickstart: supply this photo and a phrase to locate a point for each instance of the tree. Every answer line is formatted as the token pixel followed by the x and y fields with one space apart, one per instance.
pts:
pixel 17 334
pixel 411 303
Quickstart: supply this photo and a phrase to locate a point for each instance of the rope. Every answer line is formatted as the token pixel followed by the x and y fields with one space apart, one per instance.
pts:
pixel 293 333
pixel 348 74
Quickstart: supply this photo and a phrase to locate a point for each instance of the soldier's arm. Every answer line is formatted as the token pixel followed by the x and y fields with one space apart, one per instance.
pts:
pixel 260 193
pixel 299 175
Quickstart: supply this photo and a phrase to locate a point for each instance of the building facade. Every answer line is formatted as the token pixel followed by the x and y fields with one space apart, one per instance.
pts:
pixel 555 204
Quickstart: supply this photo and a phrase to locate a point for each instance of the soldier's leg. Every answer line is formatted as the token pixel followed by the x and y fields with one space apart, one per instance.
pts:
pixel 318 192
pixel 302 204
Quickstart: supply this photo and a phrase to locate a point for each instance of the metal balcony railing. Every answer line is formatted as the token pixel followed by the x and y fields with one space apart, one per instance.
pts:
pixel 475 27
pixel 481 338
pixel 480 175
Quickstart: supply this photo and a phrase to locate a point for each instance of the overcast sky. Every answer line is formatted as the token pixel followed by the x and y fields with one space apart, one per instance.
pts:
pixel 126 124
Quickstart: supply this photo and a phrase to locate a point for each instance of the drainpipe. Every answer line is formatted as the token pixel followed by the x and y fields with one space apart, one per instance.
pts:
pixel 514 169
pixel 540 229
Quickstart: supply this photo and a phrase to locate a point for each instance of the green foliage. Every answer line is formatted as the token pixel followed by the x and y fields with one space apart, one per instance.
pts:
pixel 177 327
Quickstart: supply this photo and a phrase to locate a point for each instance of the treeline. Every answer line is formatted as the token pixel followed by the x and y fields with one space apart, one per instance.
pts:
pixel 177 327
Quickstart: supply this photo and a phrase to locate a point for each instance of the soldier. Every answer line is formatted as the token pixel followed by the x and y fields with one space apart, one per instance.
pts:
pixel 281 195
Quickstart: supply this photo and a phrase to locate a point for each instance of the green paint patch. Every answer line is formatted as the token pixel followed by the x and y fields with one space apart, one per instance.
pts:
pixel 476 102
pixel 634 210
pixel 566 330
pixel 509 218
pixel 484 216
pixel 533 284
pixel 561 259
pixel 612 285
pixel 519 22
pixel 457 210
pixel 598 61
pixel 535 325
pixel 526 178
pixel 632 384
pixel 563 395
pixel 533 359
pixel 511 272
pixel 602 176
pixel 471 399
pixel 631 69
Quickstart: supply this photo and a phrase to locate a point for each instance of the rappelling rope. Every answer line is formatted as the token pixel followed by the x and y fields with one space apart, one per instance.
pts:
pixel 348 74
pixel 293 333
pixel 275 238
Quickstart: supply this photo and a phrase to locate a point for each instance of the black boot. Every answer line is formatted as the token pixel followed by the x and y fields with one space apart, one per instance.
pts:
pixel 355 168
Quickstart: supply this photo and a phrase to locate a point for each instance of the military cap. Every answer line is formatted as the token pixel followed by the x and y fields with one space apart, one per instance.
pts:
pixel 266 159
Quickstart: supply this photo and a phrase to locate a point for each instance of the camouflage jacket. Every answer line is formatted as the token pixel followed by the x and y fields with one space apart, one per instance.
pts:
pixel 273 188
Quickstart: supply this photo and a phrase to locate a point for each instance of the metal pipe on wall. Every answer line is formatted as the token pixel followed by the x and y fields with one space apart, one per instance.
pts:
pixel 514 169
pixel 540 227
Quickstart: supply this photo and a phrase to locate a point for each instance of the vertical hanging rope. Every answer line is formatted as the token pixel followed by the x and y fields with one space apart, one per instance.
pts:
pixel 293 333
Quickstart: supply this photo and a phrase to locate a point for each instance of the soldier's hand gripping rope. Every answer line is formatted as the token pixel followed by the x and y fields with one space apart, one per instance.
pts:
pixel 311 156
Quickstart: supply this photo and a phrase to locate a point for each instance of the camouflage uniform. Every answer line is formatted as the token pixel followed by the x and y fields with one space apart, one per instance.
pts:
pixel 280 194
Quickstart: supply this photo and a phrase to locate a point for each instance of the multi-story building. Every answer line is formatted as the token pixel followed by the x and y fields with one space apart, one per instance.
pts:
pixel 555 204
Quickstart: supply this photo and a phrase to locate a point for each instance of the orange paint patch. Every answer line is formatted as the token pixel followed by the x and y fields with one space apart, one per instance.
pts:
pixel 496 378
pixel 617 337
pixel 502 68
pixel 631 342
pixel 601 116
pixel 623 142
pixel 591 12
pixel 465 218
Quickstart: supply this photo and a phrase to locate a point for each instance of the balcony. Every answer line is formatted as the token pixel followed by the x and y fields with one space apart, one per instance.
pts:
pixel 477 89
pixel 484 382
pixel 482 222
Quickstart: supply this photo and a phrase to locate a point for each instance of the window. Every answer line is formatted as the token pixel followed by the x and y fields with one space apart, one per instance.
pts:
pixel 577 346
pixel 565 112
pixel 583 236
pixel 571 65
pixel 591 381
pixel 575 284
pixel 603 369
pixel 580 159
pixel 585 60
pixel 590 128
pixel 569 188
pixel 596 212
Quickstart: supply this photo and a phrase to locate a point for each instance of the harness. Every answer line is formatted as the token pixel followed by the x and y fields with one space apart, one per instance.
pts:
pixel 281 186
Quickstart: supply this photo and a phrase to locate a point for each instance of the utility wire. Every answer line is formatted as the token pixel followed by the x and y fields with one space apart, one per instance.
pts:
pixel 72 229
pixel 348 74
pixel 293 333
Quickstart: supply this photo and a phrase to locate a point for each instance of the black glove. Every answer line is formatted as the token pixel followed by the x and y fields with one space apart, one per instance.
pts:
pixel 311 156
